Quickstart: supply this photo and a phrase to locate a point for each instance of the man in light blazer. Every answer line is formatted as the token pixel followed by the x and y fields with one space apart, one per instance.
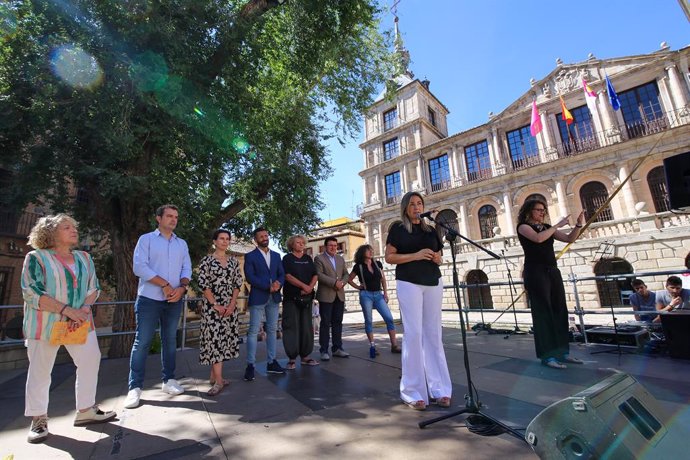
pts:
pixel 332 274
pixel 264 272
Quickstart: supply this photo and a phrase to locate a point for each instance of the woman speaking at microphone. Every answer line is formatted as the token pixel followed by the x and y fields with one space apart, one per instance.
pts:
pixel 416 250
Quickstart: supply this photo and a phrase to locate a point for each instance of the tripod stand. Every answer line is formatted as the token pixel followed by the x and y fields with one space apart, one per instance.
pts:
pixel 513 300
pixel 472 404
pixel 618 348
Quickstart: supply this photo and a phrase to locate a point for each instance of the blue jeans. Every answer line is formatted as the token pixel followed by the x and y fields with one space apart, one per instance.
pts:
pixel 150 314
pixel 270 309
pixel 370 300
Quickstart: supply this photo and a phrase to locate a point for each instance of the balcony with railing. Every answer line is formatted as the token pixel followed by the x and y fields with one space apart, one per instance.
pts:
pixel 564 149
pixel 607 229
pixel 17 224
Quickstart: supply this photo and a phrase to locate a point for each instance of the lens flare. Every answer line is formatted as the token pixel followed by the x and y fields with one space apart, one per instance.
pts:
pixel 199 112
pixel 76 67
pixel 150 72
pixel 240 145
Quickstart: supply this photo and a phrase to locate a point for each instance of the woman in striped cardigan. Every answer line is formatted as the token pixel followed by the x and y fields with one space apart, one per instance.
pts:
pixel 58 284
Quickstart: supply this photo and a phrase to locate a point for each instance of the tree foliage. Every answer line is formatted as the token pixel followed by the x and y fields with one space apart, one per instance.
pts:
pixel 221 107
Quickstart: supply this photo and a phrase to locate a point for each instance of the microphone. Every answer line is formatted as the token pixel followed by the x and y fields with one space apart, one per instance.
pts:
pixel 425 214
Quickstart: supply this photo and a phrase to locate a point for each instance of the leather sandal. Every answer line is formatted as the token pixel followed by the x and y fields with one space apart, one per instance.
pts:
pixel 290 366
pixel 396 349
pixel 309 362
pixel 215 389
pixel 225 382
pixel 416 405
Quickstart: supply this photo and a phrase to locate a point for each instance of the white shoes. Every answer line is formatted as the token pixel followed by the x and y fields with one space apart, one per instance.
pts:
pixel 132 399
pixel 172 387
pixel 93 415
pixel 38 431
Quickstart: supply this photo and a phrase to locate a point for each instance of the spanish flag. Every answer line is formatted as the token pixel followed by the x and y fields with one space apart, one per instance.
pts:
pixel 565 116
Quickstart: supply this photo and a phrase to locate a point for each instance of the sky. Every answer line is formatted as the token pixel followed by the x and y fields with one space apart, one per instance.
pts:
pixel 480 55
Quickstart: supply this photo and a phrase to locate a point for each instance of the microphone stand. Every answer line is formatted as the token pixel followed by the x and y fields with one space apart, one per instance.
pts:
pixel 472 403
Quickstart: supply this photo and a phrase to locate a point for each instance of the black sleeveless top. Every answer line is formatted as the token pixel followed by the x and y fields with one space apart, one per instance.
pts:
pixel 371 281
pixel 538 254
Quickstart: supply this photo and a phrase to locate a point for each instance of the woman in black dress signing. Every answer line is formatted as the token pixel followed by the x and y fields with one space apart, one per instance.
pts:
pixel 543 281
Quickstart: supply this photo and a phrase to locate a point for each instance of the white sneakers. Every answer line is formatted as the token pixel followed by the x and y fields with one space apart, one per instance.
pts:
pixel 172 387
pixel 38 431
pixel 132 399
pixel 93 415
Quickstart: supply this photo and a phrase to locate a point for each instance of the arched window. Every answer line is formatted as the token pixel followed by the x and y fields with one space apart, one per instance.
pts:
pixel 616 290
pixel 487 221
pixel 478 297
pixel 593 195
pixel 656 180
pixel 536 196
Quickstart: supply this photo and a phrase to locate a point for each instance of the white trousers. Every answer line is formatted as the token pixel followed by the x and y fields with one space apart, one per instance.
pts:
pixel 86 357
pixel 424 368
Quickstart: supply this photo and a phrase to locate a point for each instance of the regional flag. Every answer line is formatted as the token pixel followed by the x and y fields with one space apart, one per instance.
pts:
pixel 590 97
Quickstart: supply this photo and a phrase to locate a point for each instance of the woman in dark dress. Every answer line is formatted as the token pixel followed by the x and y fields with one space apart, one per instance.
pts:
pixel 543 281
pixel 221 280
pixel 372 294
pixel 298 295
pixel 416 250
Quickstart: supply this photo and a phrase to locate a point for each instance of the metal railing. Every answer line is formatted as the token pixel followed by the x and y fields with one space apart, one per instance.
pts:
pixel 574 295
pixel 575 145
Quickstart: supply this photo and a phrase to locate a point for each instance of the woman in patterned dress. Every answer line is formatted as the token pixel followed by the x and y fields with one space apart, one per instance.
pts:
pixel 221 280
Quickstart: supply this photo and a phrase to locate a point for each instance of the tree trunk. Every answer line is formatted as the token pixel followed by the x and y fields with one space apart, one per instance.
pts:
pixel 128 225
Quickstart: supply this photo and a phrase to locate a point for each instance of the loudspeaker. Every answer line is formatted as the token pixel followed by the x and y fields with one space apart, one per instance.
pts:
pixel 614 419
pixel 676 326
pixel 677 169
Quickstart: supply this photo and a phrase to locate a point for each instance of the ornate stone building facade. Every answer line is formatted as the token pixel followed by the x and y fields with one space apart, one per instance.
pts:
pixel 480 177
pixel 348 232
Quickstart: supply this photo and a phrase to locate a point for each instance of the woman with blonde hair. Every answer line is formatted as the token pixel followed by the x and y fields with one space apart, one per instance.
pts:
pixel 59 284
pixel 298 296
pixel 416 250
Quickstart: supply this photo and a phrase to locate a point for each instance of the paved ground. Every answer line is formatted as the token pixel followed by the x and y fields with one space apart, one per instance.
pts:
pixel 345 408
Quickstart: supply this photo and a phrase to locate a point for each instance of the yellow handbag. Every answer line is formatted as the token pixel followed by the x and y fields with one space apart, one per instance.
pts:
pixel 61 335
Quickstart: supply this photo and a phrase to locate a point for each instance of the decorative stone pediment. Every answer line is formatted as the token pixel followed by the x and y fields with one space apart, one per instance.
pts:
pixel 566 80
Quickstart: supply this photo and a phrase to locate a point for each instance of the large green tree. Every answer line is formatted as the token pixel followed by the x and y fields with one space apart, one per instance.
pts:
pixel 219 106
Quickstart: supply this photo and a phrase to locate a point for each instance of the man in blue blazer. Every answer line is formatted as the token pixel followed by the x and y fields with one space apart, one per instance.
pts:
pixel 264 272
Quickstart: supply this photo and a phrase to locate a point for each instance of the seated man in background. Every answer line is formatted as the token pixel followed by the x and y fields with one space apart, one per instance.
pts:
pixel 643 300
pixel 674 297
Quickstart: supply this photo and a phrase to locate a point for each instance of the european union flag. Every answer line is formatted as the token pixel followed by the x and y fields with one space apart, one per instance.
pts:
pixel 613 97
